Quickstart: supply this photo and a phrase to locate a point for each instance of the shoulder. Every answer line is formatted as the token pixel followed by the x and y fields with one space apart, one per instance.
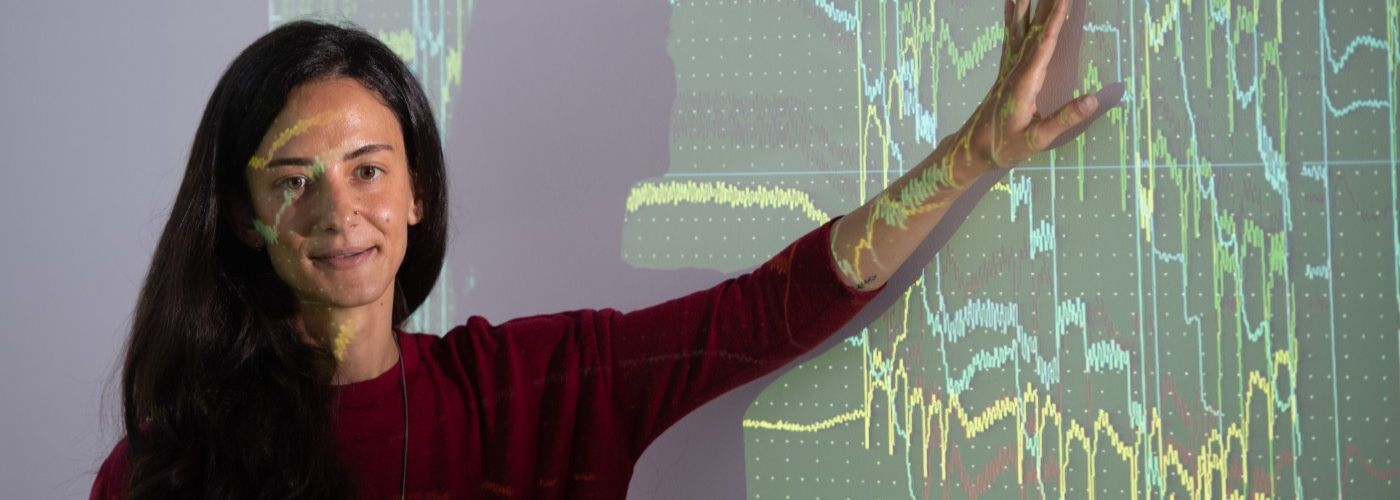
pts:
pixel 112 476
pixel 478 328
pixel 479 342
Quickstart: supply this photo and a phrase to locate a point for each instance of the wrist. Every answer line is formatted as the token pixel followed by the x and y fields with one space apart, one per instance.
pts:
pixel 965 162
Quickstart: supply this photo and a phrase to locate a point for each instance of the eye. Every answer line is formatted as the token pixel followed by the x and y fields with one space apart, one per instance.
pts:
pixel 369 172
pixel 293 183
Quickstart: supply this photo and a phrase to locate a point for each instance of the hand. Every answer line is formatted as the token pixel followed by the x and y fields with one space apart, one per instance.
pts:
pixel 1006 128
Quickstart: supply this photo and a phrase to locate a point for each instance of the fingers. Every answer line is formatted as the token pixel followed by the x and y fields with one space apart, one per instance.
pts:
pixel 1030 46
pixel 1022 20
pixel 1042 46
pixel 1044 132
pixel 1054 23
pixel 1009 12
pixel 1009 42
pixel 1012 49
pixel 1043 11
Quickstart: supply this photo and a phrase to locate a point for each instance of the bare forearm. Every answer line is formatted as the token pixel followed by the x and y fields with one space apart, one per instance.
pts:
pixel 872 241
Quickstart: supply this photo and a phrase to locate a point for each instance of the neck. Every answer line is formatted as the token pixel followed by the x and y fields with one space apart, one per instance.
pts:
pixel 361 337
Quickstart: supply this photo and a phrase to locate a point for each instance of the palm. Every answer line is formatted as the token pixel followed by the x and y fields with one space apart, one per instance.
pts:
pixel 1006 128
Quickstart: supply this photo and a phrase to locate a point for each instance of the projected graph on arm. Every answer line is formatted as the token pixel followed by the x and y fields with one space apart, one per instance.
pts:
pixel 1199 298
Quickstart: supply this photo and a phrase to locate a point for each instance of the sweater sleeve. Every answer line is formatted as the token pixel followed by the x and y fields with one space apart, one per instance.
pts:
pixel 111 477
pixel 670 358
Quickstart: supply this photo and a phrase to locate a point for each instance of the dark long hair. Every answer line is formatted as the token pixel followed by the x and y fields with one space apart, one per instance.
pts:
pixel 220 396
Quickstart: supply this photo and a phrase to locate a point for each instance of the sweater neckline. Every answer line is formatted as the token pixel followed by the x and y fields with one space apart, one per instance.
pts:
pixel 382 388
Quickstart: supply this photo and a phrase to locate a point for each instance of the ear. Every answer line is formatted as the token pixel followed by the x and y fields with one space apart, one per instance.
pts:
pixel 240 217
pixel 415 212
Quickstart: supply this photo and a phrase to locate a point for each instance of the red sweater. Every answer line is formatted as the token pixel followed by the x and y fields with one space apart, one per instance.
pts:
pixel 562 405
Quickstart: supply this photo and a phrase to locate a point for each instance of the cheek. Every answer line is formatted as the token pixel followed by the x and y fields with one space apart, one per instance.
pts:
pixel 385 214
pixel 392 224
pixel 286 266
pixel 273 215
pixel 284 258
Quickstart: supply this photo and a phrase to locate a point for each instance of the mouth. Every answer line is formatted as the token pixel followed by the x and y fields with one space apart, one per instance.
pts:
pixel 344 258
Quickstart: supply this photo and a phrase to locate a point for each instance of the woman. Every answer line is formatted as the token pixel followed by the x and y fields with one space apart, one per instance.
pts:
pixel 265 358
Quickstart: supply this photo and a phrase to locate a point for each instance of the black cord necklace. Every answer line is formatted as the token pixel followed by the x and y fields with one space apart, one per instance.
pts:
pixel 403 385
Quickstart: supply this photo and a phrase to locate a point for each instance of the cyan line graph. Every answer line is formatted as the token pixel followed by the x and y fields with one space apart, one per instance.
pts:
pixel 1200 296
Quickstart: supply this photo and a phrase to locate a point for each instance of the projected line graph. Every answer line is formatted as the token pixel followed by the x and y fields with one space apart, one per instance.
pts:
pixel 1197 299
pixel 726 194
pixel 426 34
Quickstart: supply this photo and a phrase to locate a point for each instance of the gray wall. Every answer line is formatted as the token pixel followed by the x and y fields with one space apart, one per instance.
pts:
pixel 98 104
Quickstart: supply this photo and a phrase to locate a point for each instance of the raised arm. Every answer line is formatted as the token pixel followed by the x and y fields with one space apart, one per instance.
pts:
pixel 871 242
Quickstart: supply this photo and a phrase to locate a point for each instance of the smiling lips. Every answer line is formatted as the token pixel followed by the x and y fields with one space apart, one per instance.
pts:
pixel 344 258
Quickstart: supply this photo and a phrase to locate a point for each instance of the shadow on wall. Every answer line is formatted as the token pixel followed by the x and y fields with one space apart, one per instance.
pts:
pixel 540 182
pixel 563 108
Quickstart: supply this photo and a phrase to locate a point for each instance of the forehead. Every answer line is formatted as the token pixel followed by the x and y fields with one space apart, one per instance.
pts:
pixel 328 114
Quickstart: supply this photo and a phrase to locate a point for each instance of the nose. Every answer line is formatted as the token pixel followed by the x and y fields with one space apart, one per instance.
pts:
pixel 337 206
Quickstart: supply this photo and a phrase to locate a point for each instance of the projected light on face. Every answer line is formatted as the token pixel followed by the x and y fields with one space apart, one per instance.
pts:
pixel 332 196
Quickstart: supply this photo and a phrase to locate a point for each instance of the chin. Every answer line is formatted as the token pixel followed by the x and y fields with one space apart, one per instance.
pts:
pixel 343 289
pixel 345 296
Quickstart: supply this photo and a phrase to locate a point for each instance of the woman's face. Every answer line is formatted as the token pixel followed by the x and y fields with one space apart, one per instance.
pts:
pixel 332 196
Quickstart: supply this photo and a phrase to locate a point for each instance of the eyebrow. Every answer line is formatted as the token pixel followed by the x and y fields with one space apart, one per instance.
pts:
pixel 306 162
